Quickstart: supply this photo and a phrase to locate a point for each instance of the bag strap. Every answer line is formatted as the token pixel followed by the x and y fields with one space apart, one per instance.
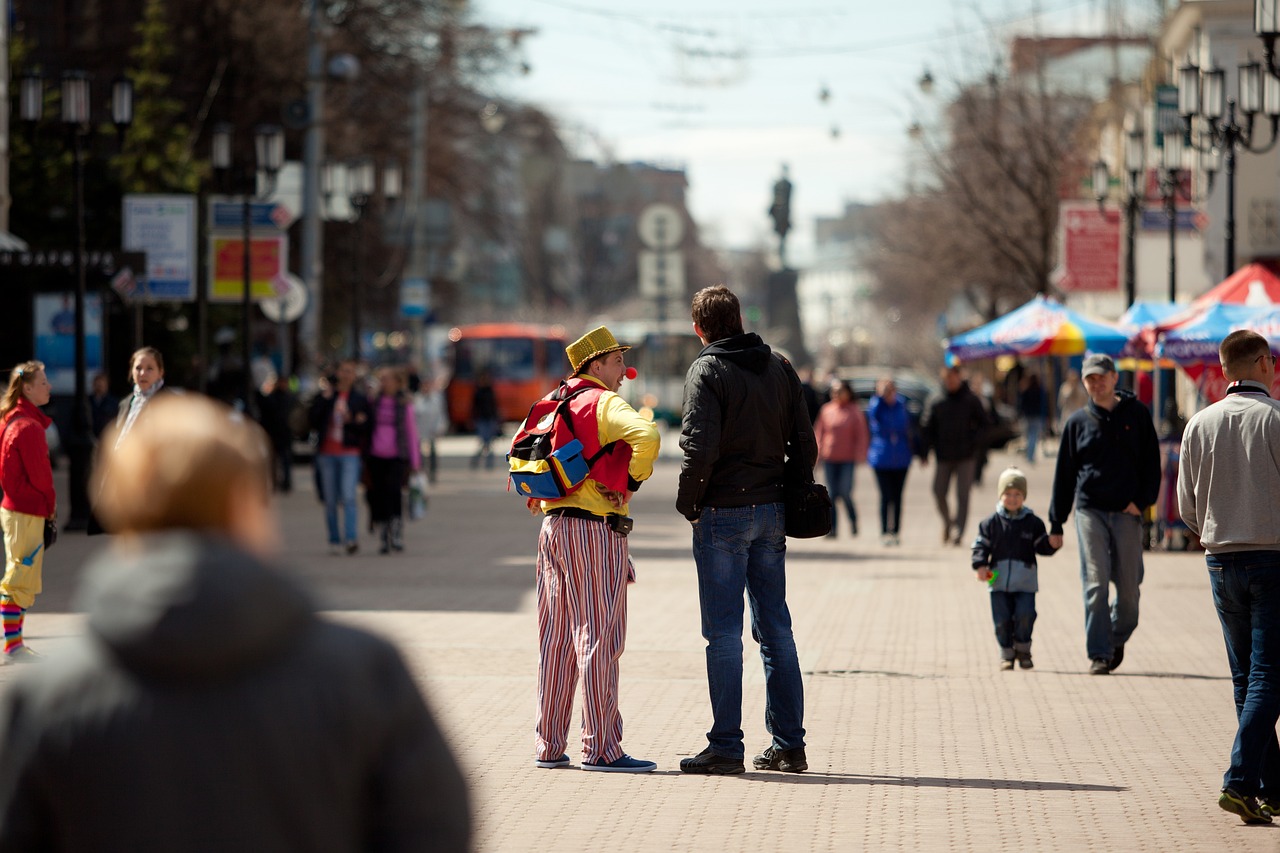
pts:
pixel 564 402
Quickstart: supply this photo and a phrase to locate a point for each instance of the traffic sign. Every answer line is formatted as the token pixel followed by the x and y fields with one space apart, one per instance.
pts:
pixel 661 273
pixel 225 214
pixel 291 304
pixel 660 226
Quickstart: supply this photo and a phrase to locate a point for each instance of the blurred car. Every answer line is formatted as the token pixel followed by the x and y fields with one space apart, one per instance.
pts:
pixel 914 388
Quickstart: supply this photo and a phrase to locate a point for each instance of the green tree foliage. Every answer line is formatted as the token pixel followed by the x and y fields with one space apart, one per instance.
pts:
pixel 157 154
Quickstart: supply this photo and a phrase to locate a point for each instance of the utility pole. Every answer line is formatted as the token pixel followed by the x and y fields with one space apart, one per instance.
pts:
pixel 312 234
pixel 5 200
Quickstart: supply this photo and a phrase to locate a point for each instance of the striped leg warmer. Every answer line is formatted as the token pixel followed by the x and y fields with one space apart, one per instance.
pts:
pixel 11 617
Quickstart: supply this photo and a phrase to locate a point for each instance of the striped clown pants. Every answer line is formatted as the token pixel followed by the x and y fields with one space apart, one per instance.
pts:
pixel 583 570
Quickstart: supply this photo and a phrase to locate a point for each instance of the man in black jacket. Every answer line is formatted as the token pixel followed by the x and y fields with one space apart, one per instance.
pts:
pixel 1109 467
pixel 952 427
pixel 744 417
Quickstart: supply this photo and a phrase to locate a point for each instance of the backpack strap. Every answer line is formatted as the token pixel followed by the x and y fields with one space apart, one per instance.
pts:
pixel 564 402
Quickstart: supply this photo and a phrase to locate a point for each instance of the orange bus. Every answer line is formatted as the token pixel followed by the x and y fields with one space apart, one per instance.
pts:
pixel 523 361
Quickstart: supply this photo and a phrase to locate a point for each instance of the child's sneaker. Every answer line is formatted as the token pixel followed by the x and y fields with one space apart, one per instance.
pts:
pixel 1024 660
pixel 1006 663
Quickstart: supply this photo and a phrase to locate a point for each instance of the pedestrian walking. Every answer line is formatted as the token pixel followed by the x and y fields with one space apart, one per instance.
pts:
pixel 1109 468
pixel 1004 556
pixel 430 412
pixel 744 422
pixel 1031 407
pixel 275 409
pixel 29 500
pixel 207 706
pixel 1228 479
pixel 1072 397
pixel 889 454
pixel 584 564
pixel 842 436
pixel 484 414
pixel 393 454
pixel 952 427
pixel 340 415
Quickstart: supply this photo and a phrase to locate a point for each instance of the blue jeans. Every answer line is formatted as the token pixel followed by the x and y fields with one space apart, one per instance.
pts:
pixel 1110 553
pixel 737 549
pixel 1014 613
pixel 1246 593
pixel 840 483
pixel 1035 423
pixel 339 474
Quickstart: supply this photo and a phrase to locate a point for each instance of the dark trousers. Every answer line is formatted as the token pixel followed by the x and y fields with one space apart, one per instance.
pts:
pixel 890 481
pixel 1014 613
pixel 386 482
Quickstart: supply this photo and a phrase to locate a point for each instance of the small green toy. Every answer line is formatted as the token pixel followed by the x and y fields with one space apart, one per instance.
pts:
pixel 991 581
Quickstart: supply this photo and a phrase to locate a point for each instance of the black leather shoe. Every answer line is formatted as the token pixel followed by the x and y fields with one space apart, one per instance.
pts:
pixel 1117 656
pixel 708 763
pixel 786 760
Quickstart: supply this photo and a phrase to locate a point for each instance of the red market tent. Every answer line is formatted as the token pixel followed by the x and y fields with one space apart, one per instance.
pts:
pixel 1257 283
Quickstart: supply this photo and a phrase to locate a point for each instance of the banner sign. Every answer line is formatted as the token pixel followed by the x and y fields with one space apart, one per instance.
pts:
pixel 163 226
pixel 56 338
pixel 1090 246
pixel 268 265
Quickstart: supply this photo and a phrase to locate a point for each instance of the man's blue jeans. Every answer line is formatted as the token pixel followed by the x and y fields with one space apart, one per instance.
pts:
pixel 1246 593
pixel 1110 553
pixel 737 549
pixel 339 474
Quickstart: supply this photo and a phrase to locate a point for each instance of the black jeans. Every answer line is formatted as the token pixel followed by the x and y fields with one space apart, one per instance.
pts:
pixel 891 481
pixel 386 482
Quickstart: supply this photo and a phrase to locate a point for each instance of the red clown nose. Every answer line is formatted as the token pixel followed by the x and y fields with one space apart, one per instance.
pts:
pixel 631 373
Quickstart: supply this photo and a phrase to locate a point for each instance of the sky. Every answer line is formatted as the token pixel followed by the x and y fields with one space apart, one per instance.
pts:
pixel 730 90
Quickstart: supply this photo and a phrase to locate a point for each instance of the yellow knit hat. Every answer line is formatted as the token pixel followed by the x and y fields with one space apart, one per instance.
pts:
pixel 593 343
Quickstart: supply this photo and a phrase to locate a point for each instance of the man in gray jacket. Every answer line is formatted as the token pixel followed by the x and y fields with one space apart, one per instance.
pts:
pixel 1228 490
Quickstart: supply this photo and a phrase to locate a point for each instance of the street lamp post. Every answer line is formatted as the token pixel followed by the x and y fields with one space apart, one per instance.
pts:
pixel 1200 103
pixel 76 97
pixel 269 151
pixel 361 183
pixel 1133 156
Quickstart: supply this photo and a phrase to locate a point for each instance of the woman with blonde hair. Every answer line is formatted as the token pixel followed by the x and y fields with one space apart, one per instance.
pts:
pixel 146 371
pixel 245 720
pixel 29 499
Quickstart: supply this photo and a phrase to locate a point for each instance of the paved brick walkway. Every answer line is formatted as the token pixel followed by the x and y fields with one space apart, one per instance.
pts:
pixel 916 740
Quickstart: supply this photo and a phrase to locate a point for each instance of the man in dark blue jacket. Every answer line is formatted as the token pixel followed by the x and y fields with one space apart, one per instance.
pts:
pixel 744 420
pixel 1109 467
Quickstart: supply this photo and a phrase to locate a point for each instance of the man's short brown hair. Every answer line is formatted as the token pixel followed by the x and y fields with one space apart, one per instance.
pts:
pixel 1239 350
pixel 717 312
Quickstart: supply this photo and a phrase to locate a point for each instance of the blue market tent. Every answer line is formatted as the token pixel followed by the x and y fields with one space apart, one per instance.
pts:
pixel 1041 327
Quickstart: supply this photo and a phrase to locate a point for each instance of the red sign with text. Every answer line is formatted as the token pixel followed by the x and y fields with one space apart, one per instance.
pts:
pixel 1090 247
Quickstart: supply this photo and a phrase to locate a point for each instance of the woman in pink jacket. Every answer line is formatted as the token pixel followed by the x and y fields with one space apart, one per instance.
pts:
pixel 842 435
pixel 27 479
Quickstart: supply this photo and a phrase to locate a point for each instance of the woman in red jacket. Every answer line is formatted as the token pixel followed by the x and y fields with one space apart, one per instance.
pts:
pixel 842 435
pixel 27 479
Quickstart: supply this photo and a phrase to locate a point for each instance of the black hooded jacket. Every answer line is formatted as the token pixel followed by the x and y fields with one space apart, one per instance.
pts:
pixel 744 416
pixel 209 709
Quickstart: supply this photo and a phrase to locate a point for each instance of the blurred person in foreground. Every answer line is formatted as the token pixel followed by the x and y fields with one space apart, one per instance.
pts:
pixel 745 424
pixel 29 498
pixel 1228 486
pixel 207 707
pixel 1109 469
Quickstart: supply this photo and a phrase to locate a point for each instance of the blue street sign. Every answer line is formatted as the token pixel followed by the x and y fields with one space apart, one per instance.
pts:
pixel 230 214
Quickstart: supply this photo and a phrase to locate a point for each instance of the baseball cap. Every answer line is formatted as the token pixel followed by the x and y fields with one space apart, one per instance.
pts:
pixel 1097 364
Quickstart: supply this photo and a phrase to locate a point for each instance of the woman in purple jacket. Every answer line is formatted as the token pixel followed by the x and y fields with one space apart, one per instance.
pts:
pixel 393 452
pixel 889 454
